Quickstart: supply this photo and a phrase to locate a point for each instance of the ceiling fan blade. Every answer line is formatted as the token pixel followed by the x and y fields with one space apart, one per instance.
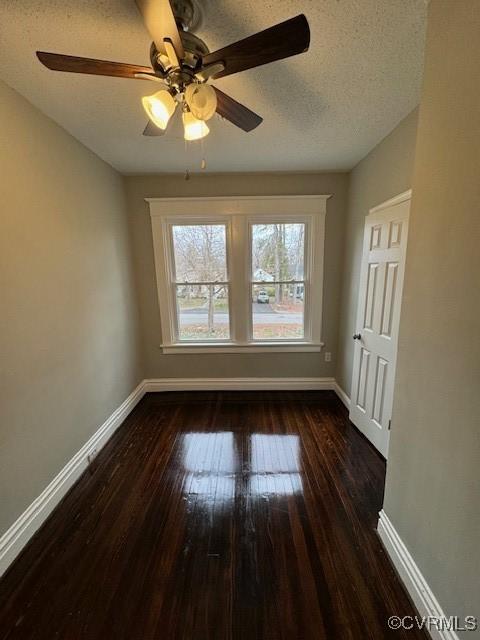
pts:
pixel 281 41
pixel 160 22
pixel 152 130
pixel 74 64
pixel 236 113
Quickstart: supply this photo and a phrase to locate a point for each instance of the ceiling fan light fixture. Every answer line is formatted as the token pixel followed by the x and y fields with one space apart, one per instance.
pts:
pixel 201 100
pixel 194 129
pixel 159 107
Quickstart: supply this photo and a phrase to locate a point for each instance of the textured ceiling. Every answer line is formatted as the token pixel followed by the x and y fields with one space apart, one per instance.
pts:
pixel 324 109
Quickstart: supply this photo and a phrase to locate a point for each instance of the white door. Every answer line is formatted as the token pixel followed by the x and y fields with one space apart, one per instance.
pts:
pixel 378 317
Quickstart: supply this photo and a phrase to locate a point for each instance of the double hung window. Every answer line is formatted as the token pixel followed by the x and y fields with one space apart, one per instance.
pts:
pixel 239 274
pixel 202 301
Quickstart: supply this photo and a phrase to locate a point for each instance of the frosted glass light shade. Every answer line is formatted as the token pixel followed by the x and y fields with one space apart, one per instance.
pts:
pixel 201 100
pixel 159 107
pixel 194 129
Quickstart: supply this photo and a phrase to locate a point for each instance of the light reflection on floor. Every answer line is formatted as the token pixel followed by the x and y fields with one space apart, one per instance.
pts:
pixel 275 464
pixel 217 467
pixel 210 463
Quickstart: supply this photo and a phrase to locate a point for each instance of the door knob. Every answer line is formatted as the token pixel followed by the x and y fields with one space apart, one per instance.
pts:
pixel 357 336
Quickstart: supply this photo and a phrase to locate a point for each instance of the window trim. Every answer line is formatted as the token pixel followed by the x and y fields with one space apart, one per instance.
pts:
pixel 239 213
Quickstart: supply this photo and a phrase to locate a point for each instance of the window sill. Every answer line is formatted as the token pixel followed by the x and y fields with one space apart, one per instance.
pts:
pixel 257 347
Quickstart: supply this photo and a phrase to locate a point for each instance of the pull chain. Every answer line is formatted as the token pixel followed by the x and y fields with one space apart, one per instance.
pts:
pixel 187 172
pixel 203 164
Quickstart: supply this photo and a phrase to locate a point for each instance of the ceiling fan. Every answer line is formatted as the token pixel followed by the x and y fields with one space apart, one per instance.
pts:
pixel 183 65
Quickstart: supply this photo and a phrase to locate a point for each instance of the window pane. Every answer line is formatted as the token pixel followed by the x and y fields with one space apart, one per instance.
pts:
pixel 203 312
pixel 200 252
pixel 277 311
pixel 278 252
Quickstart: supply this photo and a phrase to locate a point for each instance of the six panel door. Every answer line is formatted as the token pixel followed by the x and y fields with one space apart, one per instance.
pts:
pixel 378 317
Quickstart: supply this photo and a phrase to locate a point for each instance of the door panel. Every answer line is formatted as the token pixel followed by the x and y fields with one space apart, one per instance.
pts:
pixel 371 294
pixel 389 299
pixel 363 379
pixel 379 393
pixel 378 316
pixel 376 236
pixel 395 233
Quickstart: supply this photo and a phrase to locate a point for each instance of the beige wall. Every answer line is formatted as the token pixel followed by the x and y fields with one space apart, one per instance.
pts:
pixel 385 172
pixel 433 473
pixel 233 365
pixel 68 327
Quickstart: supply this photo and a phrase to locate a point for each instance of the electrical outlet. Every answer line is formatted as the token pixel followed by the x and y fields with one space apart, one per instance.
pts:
pixel 328 356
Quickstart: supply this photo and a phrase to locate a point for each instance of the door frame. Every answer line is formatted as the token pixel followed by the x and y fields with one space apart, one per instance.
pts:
pixel 378 213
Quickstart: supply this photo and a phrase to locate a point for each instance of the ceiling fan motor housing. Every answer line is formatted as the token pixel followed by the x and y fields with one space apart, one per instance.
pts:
pixel 195 49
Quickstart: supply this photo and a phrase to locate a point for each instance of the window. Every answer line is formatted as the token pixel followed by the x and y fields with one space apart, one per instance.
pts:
pixel 201 281
pixel 239 274
pixel 278 284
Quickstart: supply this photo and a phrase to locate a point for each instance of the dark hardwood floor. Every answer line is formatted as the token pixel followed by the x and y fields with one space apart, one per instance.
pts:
pixel 210 516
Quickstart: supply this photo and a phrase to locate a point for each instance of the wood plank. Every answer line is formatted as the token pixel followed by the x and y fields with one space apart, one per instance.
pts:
pixel 215 515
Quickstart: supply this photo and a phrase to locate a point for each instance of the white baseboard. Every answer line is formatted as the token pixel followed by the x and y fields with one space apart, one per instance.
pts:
pixel 239 384
pixel 342 395
pixel 15 538
pixel 411 576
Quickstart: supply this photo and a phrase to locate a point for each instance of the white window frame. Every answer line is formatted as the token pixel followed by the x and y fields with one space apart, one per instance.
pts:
pixel 238 214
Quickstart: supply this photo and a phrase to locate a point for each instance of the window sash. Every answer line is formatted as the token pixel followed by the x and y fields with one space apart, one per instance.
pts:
pixel 176 311
pixel 268 282
pixel 198 223
pixel 174 283
pixel 308 261
pixel 283 220
pixel 202 283
pixel 276 340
